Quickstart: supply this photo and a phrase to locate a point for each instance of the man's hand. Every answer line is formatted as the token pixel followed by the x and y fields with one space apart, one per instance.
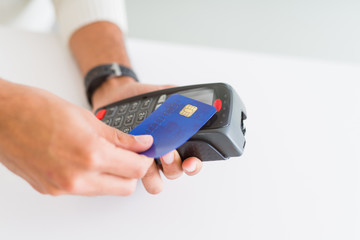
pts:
pixel 102 43
pixel 60 148
pixel 116 89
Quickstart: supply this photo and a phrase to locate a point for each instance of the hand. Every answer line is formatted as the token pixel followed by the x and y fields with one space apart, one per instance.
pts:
pixel 60 148
pixel 116 89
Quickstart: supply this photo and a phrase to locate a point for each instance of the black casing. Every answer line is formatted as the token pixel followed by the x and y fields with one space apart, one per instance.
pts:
pixel 223 136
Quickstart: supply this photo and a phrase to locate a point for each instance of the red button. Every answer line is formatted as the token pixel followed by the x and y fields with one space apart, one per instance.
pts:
pixel 101 114
pixel 217 104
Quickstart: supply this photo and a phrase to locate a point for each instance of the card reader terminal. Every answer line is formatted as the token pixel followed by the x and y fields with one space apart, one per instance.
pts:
pixel 222 137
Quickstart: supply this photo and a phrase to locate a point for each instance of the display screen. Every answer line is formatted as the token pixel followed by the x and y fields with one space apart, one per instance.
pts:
pixel 204 95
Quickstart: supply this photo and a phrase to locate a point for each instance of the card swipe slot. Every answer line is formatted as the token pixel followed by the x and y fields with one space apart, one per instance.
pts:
pixel 201 150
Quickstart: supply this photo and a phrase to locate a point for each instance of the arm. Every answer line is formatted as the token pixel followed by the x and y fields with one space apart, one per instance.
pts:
pixel 102 43
pixel 60 148
pixel 96 44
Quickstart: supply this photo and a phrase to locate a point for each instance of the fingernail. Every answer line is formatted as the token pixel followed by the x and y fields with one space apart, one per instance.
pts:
pixel 144 139
pixel 168 158
pixel 191 167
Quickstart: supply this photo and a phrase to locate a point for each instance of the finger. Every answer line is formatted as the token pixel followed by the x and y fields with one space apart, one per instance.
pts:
pixel 95 184
pixel 152 180
pixel 138 143
pixel 119 162
pixel 112 185
pixel 192 166
pixel 171 165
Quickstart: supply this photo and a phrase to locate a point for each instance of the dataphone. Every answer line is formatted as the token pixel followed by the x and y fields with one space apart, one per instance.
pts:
pixel 222 137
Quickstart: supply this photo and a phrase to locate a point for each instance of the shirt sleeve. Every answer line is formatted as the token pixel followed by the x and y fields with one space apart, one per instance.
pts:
pixel 74 14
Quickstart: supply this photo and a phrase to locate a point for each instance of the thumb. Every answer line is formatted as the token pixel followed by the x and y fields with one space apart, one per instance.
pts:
pixel 133 143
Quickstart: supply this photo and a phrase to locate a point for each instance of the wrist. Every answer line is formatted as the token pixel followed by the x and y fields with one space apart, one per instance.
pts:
pixel 100 96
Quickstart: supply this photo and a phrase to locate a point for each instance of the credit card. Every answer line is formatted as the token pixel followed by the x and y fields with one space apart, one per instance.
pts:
pixel 173 123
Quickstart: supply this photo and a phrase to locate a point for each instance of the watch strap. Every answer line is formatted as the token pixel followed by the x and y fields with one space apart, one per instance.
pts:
pixel 99 74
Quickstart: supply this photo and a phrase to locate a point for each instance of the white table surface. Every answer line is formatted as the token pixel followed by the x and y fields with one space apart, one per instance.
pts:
pixel 298 179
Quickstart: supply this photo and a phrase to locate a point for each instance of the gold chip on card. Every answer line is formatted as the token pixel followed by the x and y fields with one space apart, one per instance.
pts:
pixel 188 110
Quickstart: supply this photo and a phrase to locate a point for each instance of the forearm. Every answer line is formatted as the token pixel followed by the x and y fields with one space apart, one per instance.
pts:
pixel 96 44
pixel 4 89
pixel 8 93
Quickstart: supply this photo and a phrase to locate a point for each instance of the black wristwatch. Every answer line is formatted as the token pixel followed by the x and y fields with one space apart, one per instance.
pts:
pixel 98 75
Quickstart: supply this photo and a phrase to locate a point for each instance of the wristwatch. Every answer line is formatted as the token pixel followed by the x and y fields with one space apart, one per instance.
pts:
pixel 99 74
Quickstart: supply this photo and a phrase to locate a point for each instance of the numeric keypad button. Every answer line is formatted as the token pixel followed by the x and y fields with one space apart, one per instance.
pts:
pixel 111 111
pixel 117 121
pixel 141 116
pixel 162 98
pixel 123 108
pixel 107 121
pixel 129 119
pixel 146 103
pixel 126 129
pixel 134 106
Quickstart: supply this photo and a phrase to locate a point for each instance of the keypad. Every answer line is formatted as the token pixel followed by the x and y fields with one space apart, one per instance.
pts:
pixel 118 121
pixel 111 111
pixel 146 103
pixel 162 98
pixel 141 116
pixel 126 129
pixel 123 108
pixel 129 119
pixel 107 121
pixel 134 106
pixel 127 116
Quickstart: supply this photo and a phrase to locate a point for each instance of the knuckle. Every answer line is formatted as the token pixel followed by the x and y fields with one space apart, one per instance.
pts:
pixel 70 184
pixel 91 159
pixel 54 192
pixel 49 190
pixel 117 136
pixel 125 140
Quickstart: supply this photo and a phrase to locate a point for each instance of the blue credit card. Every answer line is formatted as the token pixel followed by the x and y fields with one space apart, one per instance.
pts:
pixel 173 123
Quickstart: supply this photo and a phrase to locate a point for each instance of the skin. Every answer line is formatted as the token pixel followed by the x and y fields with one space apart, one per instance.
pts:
pixel 42 140
pixel 103 43
pixel 60 148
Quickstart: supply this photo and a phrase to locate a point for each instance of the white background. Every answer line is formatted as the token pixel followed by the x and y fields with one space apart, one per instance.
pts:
pixel 298 179
pixel 316 29
pixel 320 29
pixel 299 176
